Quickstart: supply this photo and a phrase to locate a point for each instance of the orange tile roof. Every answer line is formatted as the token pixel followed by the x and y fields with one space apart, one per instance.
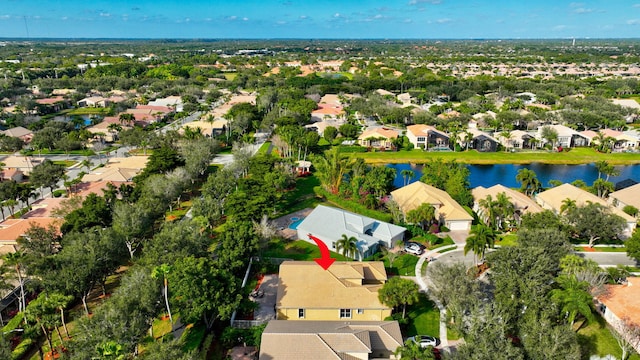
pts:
pixel 43 208
pixel 12 229
pixel 624 300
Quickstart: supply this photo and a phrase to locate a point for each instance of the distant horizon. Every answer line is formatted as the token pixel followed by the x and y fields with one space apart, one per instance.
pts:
pixel 309 39
pixel 320 19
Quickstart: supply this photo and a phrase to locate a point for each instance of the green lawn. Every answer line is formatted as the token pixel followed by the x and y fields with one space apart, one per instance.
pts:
pixel 230 76
pixel 301 197
pixel 297 250
pixel 264 147
pixel 575 156
pixel 65 163
pixel 507 240
pixel 424 318
pixel 595 339
pixel 602 248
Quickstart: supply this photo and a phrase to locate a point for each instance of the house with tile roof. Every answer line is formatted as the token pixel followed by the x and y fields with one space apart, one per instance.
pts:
pixel 620 306
pixel 379 138
pixel 339 340
pixel 22 163
pixel 480 141
pixel 517 139
pixel 522 204
pixel 567 137
pixel 329 224
pixel 346 291
pixel 627 196
pixel 25 134
pixel 427 137
pixel 448 211
pixel 552 200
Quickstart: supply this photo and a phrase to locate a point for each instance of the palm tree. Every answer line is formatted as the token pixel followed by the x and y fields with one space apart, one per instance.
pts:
pixel 573 297
pixel 529 181
pixel 60 302
pixel 482 237
pixel 348 246
pixel 332 168
pixel 16 260
pixel 550 135
pixel 604 168
pixel 506 135
pixel 567 205
pixel 163 270
pixel 488 210
pixel 407 175
pixel 505 209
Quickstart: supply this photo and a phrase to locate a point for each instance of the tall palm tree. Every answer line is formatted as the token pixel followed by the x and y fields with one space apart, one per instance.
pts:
pixel 573 297
pixel 16 259
pixel 60 302
pixel 407 176
pixel 163 270
pixel 332 168
pixel 482 237
pixel 529 181
pixel 488 210
pixel 505 209
pixel 347 246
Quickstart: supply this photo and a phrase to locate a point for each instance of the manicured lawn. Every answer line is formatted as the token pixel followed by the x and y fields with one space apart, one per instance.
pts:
pixel 507 240
pixel 424 318
pixel 404 265
pixel 297 250
pixel 193 336
pixel 301 197
pixel 230 76
pixel 88 111
pixel 575 156
pixel 65 163
pixel 264 147
pixel 601 249
pixel 595 339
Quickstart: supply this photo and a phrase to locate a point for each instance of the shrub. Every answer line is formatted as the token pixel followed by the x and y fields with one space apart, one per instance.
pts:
pixel 59 193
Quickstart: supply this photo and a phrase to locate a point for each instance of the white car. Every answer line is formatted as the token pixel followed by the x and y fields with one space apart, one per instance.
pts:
pixel 413 248
pixel 425 340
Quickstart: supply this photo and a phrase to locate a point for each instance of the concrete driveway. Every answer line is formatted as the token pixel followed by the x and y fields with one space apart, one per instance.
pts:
pixel 267 303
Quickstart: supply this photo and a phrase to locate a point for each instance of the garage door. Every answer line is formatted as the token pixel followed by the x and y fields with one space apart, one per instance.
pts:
pixel 459 225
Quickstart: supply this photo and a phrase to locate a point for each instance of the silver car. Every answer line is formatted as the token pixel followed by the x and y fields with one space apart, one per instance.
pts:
pixel 413 248
pixel 425 340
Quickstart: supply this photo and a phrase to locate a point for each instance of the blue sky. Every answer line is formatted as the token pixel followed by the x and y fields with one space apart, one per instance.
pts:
pixel 393 19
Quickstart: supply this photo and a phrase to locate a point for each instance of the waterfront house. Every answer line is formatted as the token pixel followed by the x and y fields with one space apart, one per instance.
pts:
pixel 427 137
pixel 448 211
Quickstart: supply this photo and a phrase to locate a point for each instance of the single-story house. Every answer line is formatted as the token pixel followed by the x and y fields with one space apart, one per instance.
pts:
pixel 427 137
pixel 22 163
pixel 552 200
pixel 346 291
pixel 620 307
pixel 627 196
pixel 284 340
pixel 381 138
pixel 522 204
pixel 173 102
pixel 517 139
pixel 448 211
pixel 329 224
pixel 9 174
pixel 94 101
pixel 23 133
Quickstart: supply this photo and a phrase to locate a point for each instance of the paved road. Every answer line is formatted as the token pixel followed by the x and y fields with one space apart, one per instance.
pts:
pixel 605 259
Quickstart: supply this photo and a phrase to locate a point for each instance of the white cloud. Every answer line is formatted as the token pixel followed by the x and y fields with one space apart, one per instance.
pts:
pixel 5 17
pixel 245 19
pixel 407 21
pixel 582 11
pixel 636 5
pixel 576 4
pixel 102 14
pixel 560 27
pixel 444 21
pixel 302 17
pixel 416 2
pixel 633 22
pixel 337 15
pixel 232 17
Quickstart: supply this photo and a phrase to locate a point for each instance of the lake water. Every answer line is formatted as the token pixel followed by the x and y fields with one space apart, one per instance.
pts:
pixel 505 174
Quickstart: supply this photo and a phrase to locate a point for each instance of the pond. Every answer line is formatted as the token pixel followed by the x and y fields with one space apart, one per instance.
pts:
pixel 505 174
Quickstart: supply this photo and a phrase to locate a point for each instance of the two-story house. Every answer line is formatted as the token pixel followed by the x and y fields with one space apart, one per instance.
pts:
pixel 345 291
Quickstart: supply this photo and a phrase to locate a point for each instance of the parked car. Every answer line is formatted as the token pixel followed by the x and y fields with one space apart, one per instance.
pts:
pixel 416 244
pixel 425 340
pixel 413 248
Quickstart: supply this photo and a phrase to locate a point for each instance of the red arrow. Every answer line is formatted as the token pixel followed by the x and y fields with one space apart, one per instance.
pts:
pixel 325 260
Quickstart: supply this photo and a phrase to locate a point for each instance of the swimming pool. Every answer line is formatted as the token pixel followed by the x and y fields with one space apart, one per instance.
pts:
pixel 295 223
